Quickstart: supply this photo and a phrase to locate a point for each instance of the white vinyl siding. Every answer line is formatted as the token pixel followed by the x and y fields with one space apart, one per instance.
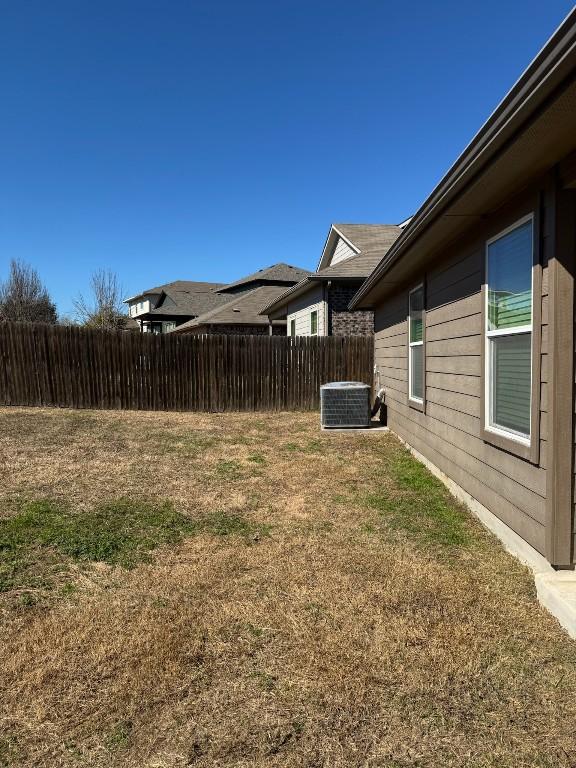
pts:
pixel 314 322
pixel 139 308
pixel 508 332
pixel 341 252
pixel 300 310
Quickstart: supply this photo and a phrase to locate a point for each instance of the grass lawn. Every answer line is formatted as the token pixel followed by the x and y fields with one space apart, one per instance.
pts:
pixel 241 590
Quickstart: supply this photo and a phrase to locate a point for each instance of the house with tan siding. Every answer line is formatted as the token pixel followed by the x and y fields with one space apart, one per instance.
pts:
pixel 474 322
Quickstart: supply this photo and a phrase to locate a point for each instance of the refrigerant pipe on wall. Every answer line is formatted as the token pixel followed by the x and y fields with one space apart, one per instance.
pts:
pixel 379 402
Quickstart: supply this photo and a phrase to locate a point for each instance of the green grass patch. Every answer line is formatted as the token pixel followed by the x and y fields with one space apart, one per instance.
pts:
pixel 119 533
pixel 119 736
pixel 265 680
pixel 228 470
pixel 37 542
pixel 257 458
pixel 189 444
pixel 9 751
pixel 230 524
pixel 418 504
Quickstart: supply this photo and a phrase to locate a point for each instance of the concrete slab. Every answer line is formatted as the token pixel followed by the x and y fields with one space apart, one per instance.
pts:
pixel 375 427
pixel 557 593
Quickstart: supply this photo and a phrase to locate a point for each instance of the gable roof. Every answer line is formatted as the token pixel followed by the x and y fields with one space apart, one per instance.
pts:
pixel 369 237
pixel 364 239
pixel 242 310
pixel 529 131
pixel 175 286
pixel 370 241
pixel 188 298
pixel 182 297
pixel 277 273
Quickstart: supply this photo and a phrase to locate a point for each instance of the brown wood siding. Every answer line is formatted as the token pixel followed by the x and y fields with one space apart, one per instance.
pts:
pixel 449 433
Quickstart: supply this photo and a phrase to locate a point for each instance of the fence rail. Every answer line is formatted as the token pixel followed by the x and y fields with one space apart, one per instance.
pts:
pixel 43 365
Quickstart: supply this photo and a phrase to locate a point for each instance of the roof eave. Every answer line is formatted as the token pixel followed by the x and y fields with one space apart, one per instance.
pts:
pixel 545 73
pixel 284 298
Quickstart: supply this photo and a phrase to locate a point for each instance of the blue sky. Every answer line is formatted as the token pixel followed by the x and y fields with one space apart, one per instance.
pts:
pixel 203 140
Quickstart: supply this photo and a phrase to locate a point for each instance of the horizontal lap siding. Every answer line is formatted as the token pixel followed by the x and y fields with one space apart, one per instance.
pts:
pixel 341 252
pixel 448 433
pixel 300 310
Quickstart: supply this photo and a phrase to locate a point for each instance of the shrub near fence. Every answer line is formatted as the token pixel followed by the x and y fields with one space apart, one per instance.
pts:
pixel 81 368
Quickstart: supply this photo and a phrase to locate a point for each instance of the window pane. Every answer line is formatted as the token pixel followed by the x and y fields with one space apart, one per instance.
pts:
pixel 510 279
pixel 314 322
pixel 416 307
pixel 416 372
pixel 511 382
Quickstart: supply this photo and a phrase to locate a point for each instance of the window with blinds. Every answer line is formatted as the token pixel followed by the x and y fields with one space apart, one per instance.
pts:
pixel 509 261
pixel 416 345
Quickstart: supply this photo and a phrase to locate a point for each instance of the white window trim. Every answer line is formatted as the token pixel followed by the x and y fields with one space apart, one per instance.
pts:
pixel 419 400
pixel 517 437
pixel 314 333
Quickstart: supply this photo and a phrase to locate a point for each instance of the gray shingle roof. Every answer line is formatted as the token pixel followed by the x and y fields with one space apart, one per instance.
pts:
pixel 372 240
pixel 189 298
pixel 370 237
pixel 242 310
pixel 183 285
pixel 277 273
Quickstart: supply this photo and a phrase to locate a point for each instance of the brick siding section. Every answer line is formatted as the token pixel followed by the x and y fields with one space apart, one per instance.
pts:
pixel 342 322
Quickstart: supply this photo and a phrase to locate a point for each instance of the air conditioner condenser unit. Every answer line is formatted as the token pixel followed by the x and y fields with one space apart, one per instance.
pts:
pixel 345 404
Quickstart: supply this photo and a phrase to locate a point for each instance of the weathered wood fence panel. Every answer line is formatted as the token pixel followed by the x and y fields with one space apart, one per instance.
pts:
pixel 81 368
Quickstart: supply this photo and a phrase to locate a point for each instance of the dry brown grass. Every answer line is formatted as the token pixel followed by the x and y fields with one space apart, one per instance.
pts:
pixel 343 638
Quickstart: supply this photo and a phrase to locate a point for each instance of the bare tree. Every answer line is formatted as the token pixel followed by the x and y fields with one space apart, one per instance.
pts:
pixel 24 298
pixel 103 309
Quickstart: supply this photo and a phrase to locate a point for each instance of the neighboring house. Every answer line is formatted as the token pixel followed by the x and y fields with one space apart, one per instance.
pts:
pixel 474 317
pixel 318 305
pixel 160 309
pixel 239 316
pixel 170 306
pixel 281 275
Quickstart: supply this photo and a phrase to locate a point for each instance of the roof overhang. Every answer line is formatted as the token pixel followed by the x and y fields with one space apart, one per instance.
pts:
pixel 193 326
pixel 142 295
pixel 278 309
pixel 530 131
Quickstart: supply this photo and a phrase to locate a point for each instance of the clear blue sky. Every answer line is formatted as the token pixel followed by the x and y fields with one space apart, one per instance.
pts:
pixel 173 139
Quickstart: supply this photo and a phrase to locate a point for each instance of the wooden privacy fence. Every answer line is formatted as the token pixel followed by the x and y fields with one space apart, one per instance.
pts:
pixel 82 368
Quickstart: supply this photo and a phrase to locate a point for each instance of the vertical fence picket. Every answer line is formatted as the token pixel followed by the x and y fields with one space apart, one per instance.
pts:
pixel 85 368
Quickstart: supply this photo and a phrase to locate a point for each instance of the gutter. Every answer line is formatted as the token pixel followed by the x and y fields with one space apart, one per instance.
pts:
pixel 547 70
